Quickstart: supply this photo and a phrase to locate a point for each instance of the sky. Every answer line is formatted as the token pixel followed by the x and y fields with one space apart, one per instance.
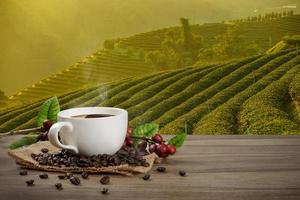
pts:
pixel 41 37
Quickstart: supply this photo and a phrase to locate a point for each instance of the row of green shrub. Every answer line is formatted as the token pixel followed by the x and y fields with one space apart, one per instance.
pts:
pixel 65 102
pixel 225 82
pixel 295 88
pixel 26 119
pixel 196 87
pixel 110 92
pixel 165 93
pixel 130 93
pixel 88 95
pixel 15 112
pixel 21 116
pixel 88 98
pixel 29 120
pixel 265 113
pixel 157 87
pixel 200 110
pixel 223 120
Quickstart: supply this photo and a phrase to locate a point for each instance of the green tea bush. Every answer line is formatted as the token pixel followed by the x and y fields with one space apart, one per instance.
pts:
pixel 198 86
pixel 227 81
pixel 156 88
pixel 14 113
pixel 109 94
pixel 99 97
pixel 224 120
pixel 264 113
pixel 167 92
pixel 200 110
pixel 12 120
pixel 130 93
pixel 295 88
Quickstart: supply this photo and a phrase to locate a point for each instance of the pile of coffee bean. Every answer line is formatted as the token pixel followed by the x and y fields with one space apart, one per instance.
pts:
pixel 64 158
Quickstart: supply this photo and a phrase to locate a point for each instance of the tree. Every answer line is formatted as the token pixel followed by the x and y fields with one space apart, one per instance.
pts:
pixel 178 48
pixel 284 13
pixel 272 15
pixel 3 98
pixel 259 18
pixel 188 39
pixel 109 44
pixel 156 58
pixel 191 43
pixel 231 44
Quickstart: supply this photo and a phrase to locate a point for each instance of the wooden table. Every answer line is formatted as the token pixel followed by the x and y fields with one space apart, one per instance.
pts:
pixel 218 167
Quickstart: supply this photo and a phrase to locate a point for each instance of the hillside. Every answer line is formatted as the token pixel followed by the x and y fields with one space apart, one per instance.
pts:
pixel 266 33
pixel 75 29
pixel 245 96
pixel 127 60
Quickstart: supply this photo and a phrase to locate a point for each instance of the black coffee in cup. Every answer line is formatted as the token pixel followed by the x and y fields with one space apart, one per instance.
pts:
pixel 92 116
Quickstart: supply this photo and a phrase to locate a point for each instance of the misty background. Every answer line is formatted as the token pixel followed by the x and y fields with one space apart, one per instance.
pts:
pixel 41 37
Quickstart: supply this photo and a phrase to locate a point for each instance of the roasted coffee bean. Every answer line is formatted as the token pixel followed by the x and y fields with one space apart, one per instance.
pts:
pixel 105 180
pixel 130 156
pixel 146 177
pixel 161 169
pixel 23 173
pixel 33 155
pixel 43 176
pixel 58 186
pixel 44 150
pixel 62 176
pixel 104 191
pixel 182 173
pixel 30 182
pixel 75 180
pixel 145 164
pixel 69 175
pixel 84 175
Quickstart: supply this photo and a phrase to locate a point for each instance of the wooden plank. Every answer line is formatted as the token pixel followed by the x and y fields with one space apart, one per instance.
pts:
pixel 218 167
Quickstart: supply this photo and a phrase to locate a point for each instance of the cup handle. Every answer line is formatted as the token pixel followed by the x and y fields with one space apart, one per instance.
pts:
pixel 53 135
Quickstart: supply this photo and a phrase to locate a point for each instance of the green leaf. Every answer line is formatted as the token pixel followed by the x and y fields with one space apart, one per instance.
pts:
pixel 145 130
pixel 178 140
pixel 26 140
pixel 48 110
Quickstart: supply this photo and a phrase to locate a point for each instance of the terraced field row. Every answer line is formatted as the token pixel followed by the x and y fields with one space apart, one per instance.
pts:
pixel 268 109
pixel 101 67
pixel 294 89
pixel 213 99
pixel 224 119
pixel 222 91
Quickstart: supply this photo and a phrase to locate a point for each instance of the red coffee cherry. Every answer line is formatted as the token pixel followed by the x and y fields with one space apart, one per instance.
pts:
pixel 157 138
pixel 162 150
pixel 129 142
pixel 171 149
pixel 47 124
pixel 152 148
pixel 129 131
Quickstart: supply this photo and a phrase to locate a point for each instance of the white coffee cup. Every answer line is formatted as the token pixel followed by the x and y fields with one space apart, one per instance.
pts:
pixel 90 136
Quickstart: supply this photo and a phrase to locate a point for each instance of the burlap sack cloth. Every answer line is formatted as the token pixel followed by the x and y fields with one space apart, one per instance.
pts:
pixel 23 158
